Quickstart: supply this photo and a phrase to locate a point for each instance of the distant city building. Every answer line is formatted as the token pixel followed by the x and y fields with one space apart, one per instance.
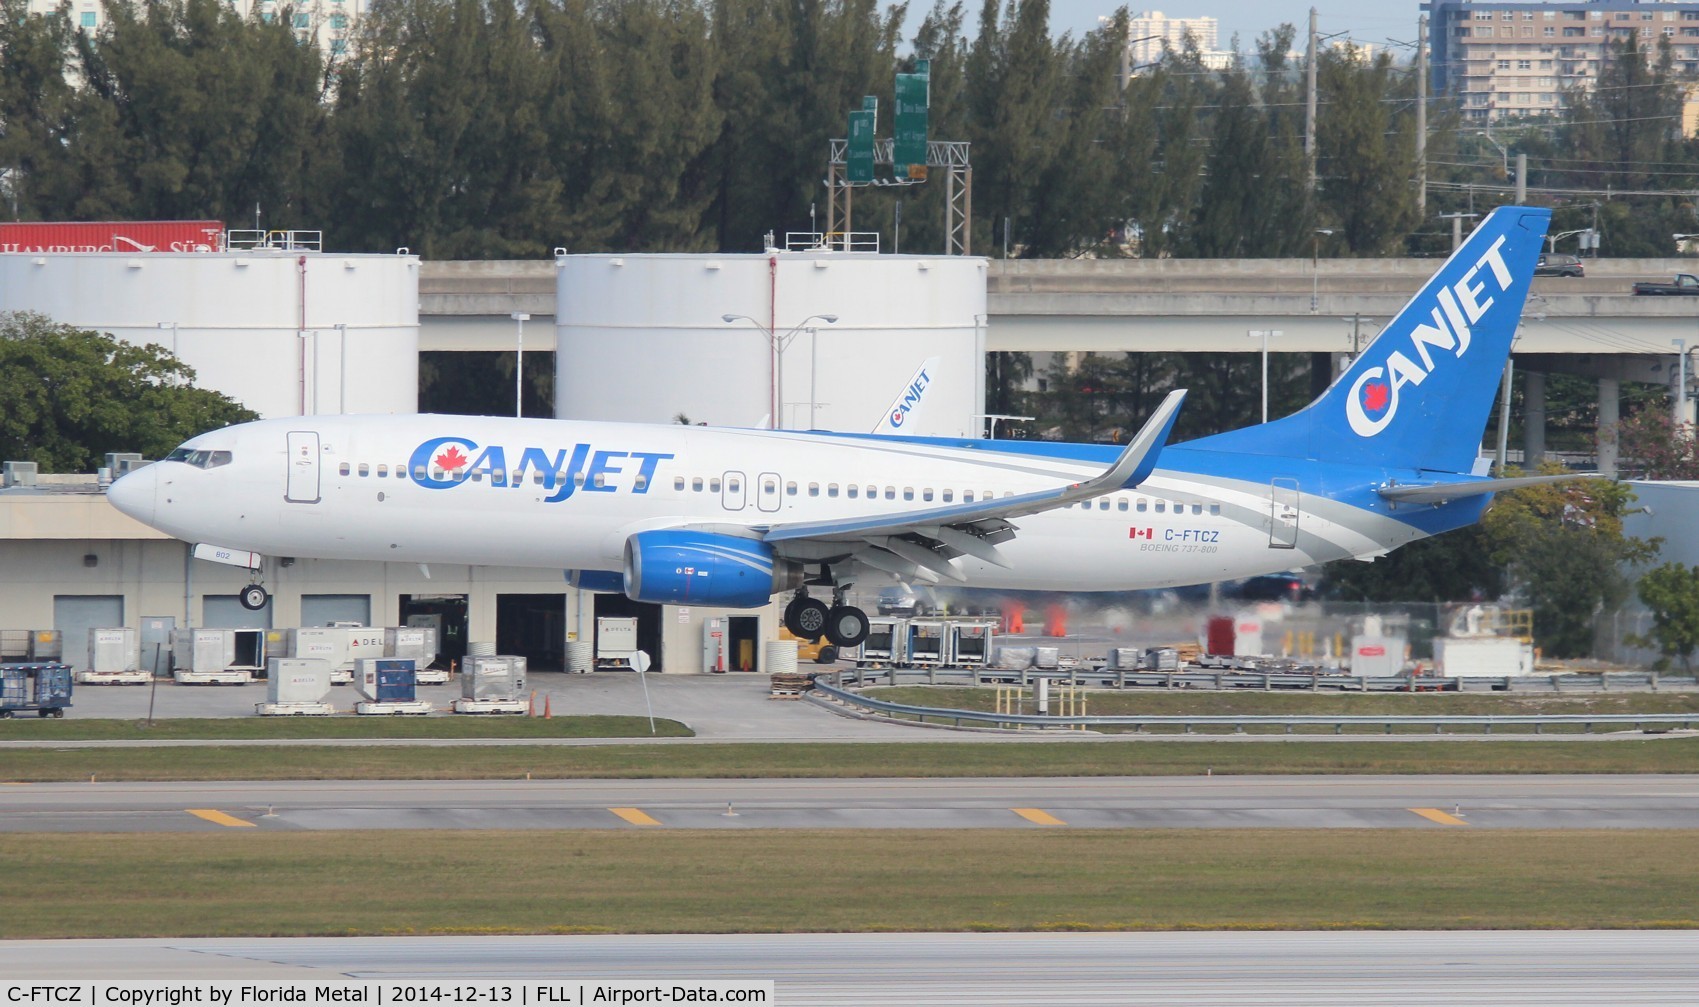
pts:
pixel 327 23
pixel 1149 31
pixel 1505 60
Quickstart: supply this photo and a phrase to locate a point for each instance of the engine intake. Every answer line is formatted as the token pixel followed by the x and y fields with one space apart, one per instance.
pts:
pixel 701 568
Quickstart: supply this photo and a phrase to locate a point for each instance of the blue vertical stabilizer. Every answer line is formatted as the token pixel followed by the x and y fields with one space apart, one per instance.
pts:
pixel 1419 395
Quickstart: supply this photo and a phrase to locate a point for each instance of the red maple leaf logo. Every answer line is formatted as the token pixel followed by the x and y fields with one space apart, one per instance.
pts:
pixel 451 459
pixel 1374 396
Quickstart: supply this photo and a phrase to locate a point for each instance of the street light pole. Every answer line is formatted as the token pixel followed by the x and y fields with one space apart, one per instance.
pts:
pixel 1265 334
pixel 1680 385
pixel 342 376
pixel 1315 265
pixel 777 344
pixel 519 320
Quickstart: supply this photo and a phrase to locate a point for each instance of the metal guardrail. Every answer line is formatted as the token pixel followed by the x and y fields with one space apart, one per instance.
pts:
pixel 1284 680
pixel 1239 722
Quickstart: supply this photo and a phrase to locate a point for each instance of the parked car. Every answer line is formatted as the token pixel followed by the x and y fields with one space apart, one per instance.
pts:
pixel 1685 284
pixel 905 601
pixel 1559 265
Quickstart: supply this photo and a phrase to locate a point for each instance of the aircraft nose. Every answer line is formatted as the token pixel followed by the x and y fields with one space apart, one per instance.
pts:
pixel 136 494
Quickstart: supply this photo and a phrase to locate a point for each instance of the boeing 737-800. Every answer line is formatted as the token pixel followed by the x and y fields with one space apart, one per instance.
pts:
pixel 730 518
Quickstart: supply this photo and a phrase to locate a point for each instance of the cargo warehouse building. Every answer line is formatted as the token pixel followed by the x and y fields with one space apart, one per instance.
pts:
pixel 291 330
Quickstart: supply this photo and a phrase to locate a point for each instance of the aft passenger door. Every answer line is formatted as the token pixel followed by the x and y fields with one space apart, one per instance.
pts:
pixel 1283 514
pixel 733 494
pixel 303 486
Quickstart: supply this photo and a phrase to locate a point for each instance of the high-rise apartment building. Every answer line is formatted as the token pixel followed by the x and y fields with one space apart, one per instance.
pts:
pixel 1505 60
pixel 1147 31
pixel 327 23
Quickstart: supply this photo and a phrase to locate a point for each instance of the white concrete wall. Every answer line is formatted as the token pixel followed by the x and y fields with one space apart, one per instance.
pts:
pixel 261 327
pixel 641 338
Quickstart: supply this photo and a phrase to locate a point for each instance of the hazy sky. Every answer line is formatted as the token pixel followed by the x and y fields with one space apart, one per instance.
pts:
pixel 1365 20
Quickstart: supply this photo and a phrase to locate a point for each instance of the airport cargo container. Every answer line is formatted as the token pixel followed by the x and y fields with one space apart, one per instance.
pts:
pixel 927 643
pixel 114 658
pixel 389 685
pixel 887 641
pixel 206 657
pixel 296 687
pixel 1374 656
pixel 970 643
pixel 31 645
pixel 41 687
pixel 418 643
pixel 501 677
pixel 113 236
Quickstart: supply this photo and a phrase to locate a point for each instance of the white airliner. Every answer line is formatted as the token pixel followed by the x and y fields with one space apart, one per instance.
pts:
pixel 726 517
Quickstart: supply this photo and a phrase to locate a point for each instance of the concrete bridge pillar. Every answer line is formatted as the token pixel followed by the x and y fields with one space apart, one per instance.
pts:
pixel 1609 414
pixel 1533 419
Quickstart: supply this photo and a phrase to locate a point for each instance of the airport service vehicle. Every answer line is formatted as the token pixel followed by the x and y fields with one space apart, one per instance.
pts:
pixel 1684 284
pixel 730 518
pixel 41 687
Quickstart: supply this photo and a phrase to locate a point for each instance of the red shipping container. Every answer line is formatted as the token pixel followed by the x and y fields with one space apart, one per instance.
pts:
pixel 113 236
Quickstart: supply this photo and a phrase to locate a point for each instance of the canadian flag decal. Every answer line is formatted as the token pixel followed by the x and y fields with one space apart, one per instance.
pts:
pixel 1139 532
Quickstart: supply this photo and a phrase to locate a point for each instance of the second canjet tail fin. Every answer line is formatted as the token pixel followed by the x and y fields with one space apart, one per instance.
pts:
pixel 900 417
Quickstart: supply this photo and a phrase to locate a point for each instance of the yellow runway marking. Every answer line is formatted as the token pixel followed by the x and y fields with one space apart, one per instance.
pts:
pixel 1038 817
pixel 220 818
pixel 1436 815
pixel 634 815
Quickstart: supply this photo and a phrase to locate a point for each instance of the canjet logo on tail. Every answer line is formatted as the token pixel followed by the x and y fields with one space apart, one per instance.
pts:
pixel 1373 401
pixel 445 462
pixel 910 398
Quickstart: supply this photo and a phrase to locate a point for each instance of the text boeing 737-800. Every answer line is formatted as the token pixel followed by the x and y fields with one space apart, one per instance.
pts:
pixel 722 517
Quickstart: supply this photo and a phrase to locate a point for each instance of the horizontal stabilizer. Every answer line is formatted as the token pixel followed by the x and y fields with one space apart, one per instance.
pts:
pixel 1433 493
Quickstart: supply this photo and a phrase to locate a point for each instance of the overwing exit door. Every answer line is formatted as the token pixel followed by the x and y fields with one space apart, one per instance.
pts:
pixel 1283 514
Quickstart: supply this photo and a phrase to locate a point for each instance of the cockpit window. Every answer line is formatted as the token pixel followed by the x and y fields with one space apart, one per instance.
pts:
pixel 199 459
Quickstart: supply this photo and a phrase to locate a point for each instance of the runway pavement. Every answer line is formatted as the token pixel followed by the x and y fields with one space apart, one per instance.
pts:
pixel 1412 802
pixel 1623 968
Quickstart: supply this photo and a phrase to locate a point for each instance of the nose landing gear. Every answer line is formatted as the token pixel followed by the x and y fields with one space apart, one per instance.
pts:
pixel 254 597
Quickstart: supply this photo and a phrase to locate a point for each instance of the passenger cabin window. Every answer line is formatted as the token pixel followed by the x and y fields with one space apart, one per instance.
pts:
pixel 852 491
pixel 1161 506
pixel 342 469
pixel 1121 504
pixel 365 470
pixel 732 485
pixel 813 489
pixel 790 489
pixel 713 485
pixel 696 484
pixel 678 484
pixel 1197 508
pixel 949 496
pixel 967 496
pixel 1103 503
pixel 890 492
pixel 1142 505
pixel 1215 508
pixel 383 471
pixel 832 489
pixel 640 483
pixel 908 492
pixel 926 494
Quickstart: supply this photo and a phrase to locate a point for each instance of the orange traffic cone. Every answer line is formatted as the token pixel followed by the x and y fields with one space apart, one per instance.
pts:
pixel 548 714
pixel 1057 622
pixel 1012 621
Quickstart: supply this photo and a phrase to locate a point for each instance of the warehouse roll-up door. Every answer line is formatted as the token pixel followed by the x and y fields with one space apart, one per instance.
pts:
pixel 75 614
pixel 225 611
pixel 324 609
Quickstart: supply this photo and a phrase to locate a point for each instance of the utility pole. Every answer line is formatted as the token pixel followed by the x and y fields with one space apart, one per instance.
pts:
pixel 1422 116
pixel 1521 179
pixel 1310 102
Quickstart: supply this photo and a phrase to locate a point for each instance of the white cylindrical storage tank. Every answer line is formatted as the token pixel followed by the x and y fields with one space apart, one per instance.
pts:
pixel 580 655
pixel 644 338
pixel 286 333
pixel 779 657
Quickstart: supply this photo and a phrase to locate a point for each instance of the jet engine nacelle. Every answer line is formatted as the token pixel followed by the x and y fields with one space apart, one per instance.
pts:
pixel 700 568
pixel 596 581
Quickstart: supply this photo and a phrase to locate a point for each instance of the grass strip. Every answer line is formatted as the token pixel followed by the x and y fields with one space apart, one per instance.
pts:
pixel 1101 703
pixel 307 884
pixel 902 759
pixel 408 728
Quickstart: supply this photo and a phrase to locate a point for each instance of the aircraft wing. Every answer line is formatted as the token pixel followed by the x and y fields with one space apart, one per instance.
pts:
pixel 1433 493
pixel 921 543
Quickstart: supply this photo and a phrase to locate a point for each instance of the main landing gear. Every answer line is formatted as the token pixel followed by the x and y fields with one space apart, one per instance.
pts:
pixel 809 619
